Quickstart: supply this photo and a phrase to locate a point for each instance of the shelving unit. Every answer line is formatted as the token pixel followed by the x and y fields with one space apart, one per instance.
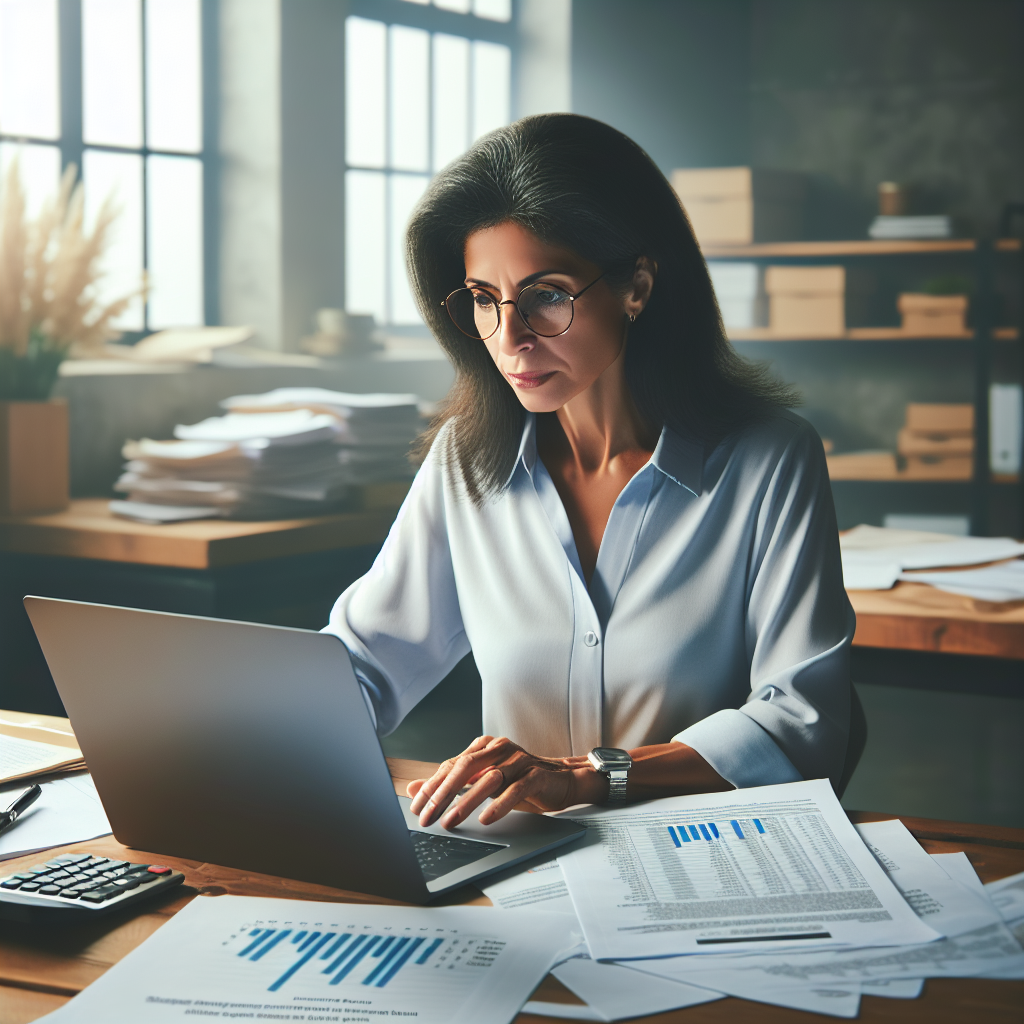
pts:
pixel 984 339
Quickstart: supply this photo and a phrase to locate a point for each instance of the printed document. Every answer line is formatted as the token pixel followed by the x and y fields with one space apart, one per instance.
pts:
pixel 978 940
pixel 237 956
pixel 753 869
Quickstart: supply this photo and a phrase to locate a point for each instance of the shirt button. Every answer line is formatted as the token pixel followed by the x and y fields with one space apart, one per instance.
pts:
pixel 590 638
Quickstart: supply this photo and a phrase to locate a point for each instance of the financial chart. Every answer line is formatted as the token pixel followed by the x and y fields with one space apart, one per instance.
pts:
pixel 340 957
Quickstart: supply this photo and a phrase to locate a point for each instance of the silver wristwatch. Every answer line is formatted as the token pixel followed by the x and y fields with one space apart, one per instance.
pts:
pixel 614 763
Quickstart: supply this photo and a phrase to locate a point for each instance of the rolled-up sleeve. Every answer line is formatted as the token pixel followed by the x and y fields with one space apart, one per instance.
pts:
pixel 401 622
pixel 799 626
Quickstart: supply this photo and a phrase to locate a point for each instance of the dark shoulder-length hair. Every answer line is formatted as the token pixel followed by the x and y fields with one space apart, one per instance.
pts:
pixel 582 185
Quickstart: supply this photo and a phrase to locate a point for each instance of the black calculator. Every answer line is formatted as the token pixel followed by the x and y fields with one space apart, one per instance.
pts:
pixel 76 887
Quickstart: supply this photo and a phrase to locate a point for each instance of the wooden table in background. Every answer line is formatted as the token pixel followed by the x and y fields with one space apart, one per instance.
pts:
pixel 42 968
pixel 917 617
pixel 87 529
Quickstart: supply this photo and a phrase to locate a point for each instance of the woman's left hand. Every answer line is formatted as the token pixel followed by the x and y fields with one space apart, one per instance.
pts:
pixel 498 768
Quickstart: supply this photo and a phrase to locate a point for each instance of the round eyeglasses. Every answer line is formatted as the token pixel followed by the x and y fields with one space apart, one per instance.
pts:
pixel 545 308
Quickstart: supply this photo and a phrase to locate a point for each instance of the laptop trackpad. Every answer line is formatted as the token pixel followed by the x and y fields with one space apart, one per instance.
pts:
pixel 439 855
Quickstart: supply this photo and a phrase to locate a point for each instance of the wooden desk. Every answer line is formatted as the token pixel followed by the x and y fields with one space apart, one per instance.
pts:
pixel 41 969
pixel 917 617
pixel 285 572
pixel 88 530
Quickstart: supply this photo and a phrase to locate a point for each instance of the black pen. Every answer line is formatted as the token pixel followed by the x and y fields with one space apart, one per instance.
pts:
pixel 19 807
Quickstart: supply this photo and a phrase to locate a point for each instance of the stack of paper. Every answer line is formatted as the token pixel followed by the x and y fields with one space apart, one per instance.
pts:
pixel 291 452
pixel 875 557
pixel 35 745
pixel 766 894
pixel 931 226
pixel 67 811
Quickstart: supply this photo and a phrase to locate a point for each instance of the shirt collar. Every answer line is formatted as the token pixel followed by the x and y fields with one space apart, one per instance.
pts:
pixel 681 459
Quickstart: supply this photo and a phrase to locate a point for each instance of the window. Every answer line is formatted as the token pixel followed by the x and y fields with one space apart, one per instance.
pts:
pixel 417 96
pixel 116 87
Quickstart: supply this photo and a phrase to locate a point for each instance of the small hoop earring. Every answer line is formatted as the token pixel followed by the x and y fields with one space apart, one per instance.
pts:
pixel 632 318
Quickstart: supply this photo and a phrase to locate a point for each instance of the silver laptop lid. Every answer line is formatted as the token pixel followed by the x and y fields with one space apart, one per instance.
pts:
pixel 236 743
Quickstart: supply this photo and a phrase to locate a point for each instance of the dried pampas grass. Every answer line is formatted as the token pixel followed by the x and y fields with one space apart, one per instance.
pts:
pixel 50 272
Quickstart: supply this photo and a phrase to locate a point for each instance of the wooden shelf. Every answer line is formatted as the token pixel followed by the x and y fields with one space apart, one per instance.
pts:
pixel 1005 478
pixel 860 247
pixel 1008 245
pixel 1005 333
pixel 853 334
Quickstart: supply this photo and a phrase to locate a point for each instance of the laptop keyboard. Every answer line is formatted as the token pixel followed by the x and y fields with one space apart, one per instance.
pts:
pixel 437 855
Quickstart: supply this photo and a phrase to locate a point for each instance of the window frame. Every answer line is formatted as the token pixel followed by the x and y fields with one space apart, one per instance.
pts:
pixel 72 146
pixel 430 19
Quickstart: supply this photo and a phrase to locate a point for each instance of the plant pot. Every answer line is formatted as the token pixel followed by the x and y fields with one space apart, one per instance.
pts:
pixel 33 457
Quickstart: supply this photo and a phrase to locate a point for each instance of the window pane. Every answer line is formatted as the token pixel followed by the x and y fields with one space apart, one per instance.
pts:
pixel 365 234
pixel 492 84
pixel 174 201
pixel 494 10
pixel 40 172
pixel 365 115
pixel 406 190
pixel 173 75
pixel 29 81
pixel 112 72
pixel 410 98
pixel 451 98
pixel 119 175
pixel 458 6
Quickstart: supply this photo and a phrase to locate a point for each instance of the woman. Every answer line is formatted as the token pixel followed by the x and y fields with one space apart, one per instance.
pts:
pixel 616 514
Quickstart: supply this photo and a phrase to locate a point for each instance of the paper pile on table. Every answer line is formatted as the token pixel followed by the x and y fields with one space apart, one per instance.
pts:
pixel 874 558
pixel 291 452
pixel 773 896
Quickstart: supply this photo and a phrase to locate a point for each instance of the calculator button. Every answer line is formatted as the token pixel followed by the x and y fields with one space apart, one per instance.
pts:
pixel 115 864
pixel 101 895
pixel 71 894
pixel 158 869
pixel 145 878
pixel 80 878
pixel 49 890
pixel 31 886
pixel 126 883
pixel 11 883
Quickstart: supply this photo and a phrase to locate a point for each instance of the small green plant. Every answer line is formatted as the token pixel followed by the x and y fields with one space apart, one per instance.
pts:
pixel 948 285
pixel 50 305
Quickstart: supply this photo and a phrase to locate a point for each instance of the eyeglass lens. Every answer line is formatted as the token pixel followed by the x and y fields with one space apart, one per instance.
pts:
pixel 546 310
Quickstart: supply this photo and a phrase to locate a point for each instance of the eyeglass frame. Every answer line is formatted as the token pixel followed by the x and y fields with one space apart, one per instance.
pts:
pixel 515 302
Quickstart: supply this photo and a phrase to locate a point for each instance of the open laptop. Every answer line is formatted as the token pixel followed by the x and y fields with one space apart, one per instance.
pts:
pixel 252 746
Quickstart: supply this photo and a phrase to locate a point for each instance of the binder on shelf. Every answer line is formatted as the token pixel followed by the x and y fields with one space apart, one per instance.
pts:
pixel 1006 425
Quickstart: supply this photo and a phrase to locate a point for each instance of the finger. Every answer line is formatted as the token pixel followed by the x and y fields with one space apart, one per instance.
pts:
pixel 414 787
pixel 467 766
pixel 516 793
pixel 426 787
pixel 491 782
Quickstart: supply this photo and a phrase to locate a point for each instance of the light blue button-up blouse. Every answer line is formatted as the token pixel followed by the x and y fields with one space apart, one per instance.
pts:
pixel 716 615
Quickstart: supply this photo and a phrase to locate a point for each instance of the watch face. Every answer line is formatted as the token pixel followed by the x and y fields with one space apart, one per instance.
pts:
pixel 612 757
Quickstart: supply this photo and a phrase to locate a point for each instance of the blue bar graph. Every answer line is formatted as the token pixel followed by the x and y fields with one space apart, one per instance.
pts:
pixel 736 828
pixel 386 955
pixel 760 827
pixel 694 832
pixel 675 838
pixel 714 829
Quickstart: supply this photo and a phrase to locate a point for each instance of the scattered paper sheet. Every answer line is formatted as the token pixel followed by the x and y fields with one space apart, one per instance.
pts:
pixel 870 575
pixel 286 959
pixel 68 811
pixel 769 867
pixel 983 946
pixel 21 758
pixel 541 886
pixel 1002 582
pixel 873 545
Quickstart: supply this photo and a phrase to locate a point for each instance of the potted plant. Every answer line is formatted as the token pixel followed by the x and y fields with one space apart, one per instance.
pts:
pixel 49 309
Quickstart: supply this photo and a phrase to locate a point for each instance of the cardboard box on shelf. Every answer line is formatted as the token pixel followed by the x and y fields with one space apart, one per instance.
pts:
pixel 934 316
pixel 862 466
pixel 809 301
pixel 936 467
pixel 940 418
pixel 912 442
pixel 741 205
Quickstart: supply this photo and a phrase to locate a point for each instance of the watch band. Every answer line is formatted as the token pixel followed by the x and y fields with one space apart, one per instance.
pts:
pixel 616 786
